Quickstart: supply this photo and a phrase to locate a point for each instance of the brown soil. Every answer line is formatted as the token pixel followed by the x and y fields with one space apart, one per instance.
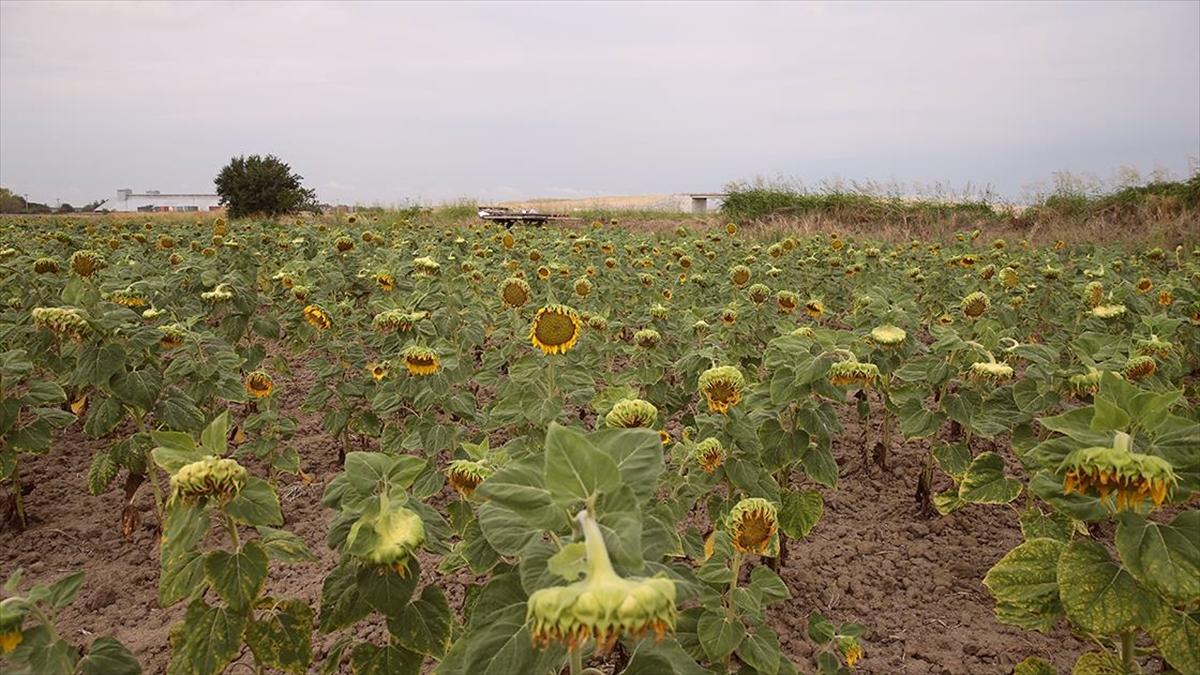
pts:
pixel 915 581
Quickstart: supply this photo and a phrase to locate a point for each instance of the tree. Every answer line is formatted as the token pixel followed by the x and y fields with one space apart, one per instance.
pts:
pixel 11 203
pixel 262 185
pixel 66 208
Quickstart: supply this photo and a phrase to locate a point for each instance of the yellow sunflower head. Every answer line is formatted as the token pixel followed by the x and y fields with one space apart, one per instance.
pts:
pixel 259 384
pixel 378 370
pixel 1133 477
pixel 632 413
pixel 722 388
pixel 753 523
pixel 317 317
pixel 85 263
pixel 421 361
pixel 1139 368
pixel 814 308
pixel 465 475
pixel 555 329
pixel 739 275
pixel 647 338
pixel 583 287
pixel 386 282
pixel 888 335
pixel 975 304
pixel 787 302
pixel 709 454
pixel 1145 285
pixel 853 373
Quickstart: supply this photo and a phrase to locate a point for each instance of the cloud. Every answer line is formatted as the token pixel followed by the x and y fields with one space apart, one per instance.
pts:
pixel 382 102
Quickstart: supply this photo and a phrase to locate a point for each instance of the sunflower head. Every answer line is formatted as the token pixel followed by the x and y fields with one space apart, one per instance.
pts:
pixel 85 263
pixel 45 266
pixel 739 275
pixel 1153 346
pixel 173 336
pixel 421 361
pixel 317 317
pixel 555 329
pixel 731 229
pixel 222 293
pixel 853 373
pixel 1165 298
pixel 888 335
pixel 386 536
pixel 63 322
pixel 1093 293
pixel 211 477
pixel 127 297
pixel 465 475
pixel 1084 384
pixel 426 267
pixel 583 287
pixel 632 413
pixel 1139 368
pixel 259 384
pixel 597 323
pixel 814 308
pixel 975 304
pixel 385 281
pixel 647 338
pixel 786 302
pixel 603 606
pixel 988 371
pixel 753 523
pixel 709 454
pixel 1133 477
pixel 851 650
pixel 701 328
pixel 378 370
pixel 394 321
pixel 1108 311
pixel 722 388
pixel 1144 285
pixel 758 293
pixel 514 292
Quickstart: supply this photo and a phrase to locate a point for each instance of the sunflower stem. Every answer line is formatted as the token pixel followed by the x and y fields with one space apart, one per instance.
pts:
pixel 576 660
pixel 599 566
pixel 1127 650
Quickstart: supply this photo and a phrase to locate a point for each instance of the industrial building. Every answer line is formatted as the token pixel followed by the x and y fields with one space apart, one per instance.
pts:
pixel 152 200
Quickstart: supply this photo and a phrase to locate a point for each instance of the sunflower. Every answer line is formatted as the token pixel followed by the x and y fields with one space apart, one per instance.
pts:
pixel 378 370
pixel 731 229
pixel 259 384
pixel 1165 298
pixel 1139 368
pixel 888 335
pixel 85 263
pixel 210 477
pixel 63 322
pixel 421 361
pixel 1108 311
pixel 1144 285
pixel 45 266
pixel 508 241
pixel 739 275
pixel 386 282
pixel 851 372
pixel 555 329
pixel 814 308
pixel 758 293
pixel 722 388
pixel 990 371
pixel 514 292
pixel 1134 477
pixel 975 304
pixel 1093 293
pixel 632 413
pixel 647 338
pixel 316 316
pixel 583 287
pixel 172 336
pixel 465 475
pixel 729 316
pixel 543 273
pixel 851 650
pixel 709 454
pixel 753 523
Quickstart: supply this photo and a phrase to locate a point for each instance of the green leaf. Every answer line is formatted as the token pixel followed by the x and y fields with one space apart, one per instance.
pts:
pixel 819 464
pixel 651 657
pixel 520 488
pixel 1165 557
pixel 342 603
pixel 985 482
pixel 424 625
pixel 139 388
pixel 256 504
pixel 102 472
pixel 953 458
pixel 1037 525
pixel 284 546
pixel 719 635
pixel 570 561
pixel 1177 636
pixel 368 659
pixel 575 470
pixel 215 436
pixel 207 639
pixel 503 529
pixel 1025 584
pixel 108 657
pixel 62 592
pixel 103 417
pixel 98 364
pixel 369 472
pixel 767 584
pixel 800 512
pixel 182 571
pixel 42 653
pixel 1098 595
pixel 237 577
pixel 761 651
pixel 40 392
pixel 385 589
pixel 281 637
pixel 1108 416
pixel 1098 663
pixel 638 454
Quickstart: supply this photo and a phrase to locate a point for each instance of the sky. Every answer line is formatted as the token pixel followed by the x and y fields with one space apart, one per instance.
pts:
pixel 387 103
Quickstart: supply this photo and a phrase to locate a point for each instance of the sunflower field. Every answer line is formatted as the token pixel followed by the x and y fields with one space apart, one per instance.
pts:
pixel 620 437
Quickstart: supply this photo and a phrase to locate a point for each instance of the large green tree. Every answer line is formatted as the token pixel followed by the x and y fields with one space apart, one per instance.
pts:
pixel 257 185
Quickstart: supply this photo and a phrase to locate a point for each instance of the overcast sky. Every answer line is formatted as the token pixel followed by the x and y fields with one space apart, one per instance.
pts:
pixel 391 102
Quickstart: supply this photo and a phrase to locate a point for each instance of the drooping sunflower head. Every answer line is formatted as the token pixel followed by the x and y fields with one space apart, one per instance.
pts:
pixel 421 361
pixel 709 454
pixel 988 371
pixel 1133 477
pixel 853 373
pixel 259 384
pixel 753 523
pixel 1093 293
pixel 222 293
pixel 209 478
pixel 1084 384
pixel 1139 368
pixel 729 316
pixel 758 293
pixel 659 312
pixel 465 475
pixel 1154 346
pixel 85 263
pixel 786 302
pixel 722 388
pixel 63 322
pixel 603 607
pixel 317 317
pixel 127 297
pixel 632 413
pixel 888 335
pixel 975 304
pixel 814 308
pixel 597 323
pixel 647 338
pixel 543 273
pixel 385 281
pixel 1108 311
pixel 583 287
pixel 701 328
pixel 343 244
pixel 386 536
pixel 393 320
pixel 739 275
pixel 555 329
pixel 173 335
pixel 45 266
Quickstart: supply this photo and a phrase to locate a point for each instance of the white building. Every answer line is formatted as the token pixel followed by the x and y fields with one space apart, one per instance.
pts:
pixel 153 200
